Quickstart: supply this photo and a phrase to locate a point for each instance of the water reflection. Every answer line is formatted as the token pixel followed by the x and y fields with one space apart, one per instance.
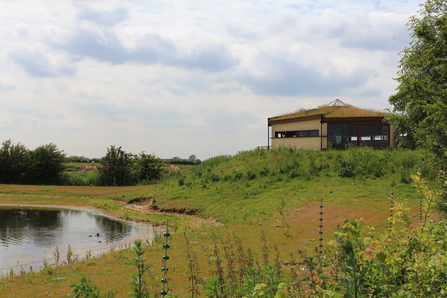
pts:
pixel 116 229
pixel 41 226
pixel 31 235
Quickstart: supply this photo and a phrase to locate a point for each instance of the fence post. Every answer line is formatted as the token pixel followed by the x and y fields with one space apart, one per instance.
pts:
pixel 321 227
pixel 165 258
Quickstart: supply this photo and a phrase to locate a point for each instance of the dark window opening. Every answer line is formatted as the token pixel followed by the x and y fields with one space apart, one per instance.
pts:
pixel 335 134
pixel 297 134
pixel 353 135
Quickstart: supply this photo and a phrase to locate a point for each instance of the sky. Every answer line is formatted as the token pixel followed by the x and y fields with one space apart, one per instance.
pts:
pixel 180 78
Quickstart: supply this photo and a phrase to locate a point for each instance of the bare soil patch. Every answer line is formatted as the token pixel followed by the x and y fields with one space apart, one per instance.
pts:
pixel 145 205
pixel 373 211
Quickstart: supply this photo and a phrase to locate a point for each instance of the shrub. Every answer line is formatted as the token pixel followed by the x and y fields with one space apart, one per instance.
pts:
pixel 346 169
pixel 238 176
pixel 213 177
pixel 251 175
pixel 404 177
pixel 181 180
pixel 264 171
pixel 294 173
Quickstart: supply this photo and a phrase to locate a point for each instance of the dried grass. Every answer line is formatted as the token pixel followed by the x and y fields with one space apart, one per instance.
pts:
pixel 351 111
pixel 333 111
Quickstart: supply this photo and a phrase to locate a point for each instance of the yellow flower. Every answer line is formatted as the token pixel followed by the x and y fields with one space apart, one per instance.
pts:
pixel 260 287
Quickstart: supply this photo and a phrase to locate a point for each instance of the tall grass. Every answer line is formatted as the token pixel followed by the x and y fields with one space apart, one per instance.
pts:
pixel 250 184
pixel 291 163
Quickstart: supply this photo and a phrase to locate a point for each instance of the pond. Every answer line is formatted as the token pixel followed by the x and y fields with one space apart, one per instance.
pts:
pixel 30 237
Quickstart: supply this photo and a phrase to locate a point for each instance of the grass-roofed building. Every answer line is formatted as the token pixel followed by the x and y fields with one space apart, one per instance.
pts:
pixel 336 125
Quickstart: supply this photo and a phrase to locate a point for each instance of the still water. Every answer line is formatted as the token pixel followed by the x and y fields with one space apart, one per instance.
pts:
pixel 30 236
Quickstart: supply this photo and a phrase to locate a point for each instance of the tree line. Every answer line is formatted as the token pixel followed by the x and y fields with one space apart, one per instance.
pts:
pixel 47 164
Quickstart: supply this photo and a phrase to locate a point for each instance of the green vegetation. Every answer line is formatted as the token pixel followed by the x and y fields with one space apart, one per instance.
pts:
pixel 250 185
pixel 44 165
pixel 269 203
pixel 85 288
pixel 192 160
pixel 240 220
pixel 118 167
pixel 48 165
pixel 420 99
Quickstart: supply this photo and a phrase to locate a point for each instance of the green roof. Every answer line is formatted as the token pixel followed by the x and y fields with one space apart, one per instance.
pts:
pixel 330 111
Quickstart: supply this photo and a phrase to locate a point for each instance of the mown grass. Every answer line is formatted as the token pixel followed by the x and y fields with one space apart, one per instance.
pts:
pixel 273 193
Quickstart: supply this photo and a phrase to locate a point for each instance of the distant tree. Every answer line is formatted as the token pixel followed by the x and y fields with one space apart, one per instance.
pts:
pixel 147 167
pixel 192 160
pixel 116 167
pixel 80 159
pixel 421 98
pixel 47 164
pixel 14 162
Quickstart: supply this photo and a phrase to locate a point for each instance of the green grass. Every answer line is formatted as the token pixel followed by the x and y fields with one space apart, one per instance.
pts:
pixel 246 192
pixel 224 187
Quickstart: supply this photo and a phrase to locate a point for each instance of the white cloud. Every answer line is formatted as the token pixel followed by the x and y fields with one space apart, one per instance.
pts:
pixel 176 78
pixel 6 85
pixel 39 64
pixel 102 17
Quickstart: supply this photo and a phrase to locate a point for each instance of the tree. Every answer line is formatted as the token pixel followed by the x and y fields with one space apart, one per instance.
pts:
pixel 47 164
pixel 116 167
pixel 79 159
pixel 421 98
pixel 147 167
pixel 14 162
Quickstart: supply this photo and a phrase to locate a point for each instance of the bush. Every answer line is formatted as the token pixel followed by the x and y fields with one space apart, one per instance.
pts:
pixel 294 174
pixel 147 167
pixel 346 169
pixel 46 165
pixel 181 180
pixel 251 175
pixel 264 171
pixel 238 176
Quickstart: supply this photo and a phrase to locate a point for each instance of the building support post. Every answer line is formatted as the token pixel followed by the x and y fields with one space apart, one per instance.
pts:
pixel 321 132
pixel 268 137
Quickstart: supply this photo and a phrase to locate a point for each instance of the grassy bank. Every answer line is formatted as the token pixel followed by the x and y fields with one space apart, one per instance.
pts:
pixel 260 205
